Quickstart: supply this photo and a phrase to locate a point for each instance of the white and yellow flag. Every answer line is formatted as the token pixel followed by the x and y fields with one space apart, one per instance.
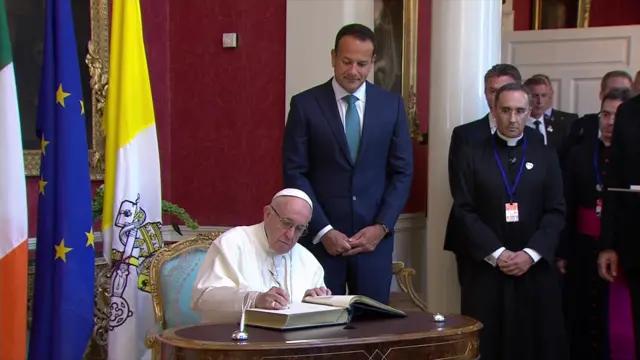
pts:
pixel 132 214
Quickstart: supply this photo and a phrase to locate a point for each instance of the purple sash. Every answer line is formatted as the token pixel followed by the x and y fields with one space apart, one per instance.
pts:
pixel 621 335
pixel 588 222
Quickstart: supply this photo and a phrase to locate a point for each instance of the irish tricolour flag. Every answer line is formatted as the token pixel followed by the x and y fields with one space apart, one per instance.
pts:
pixel 13 210
pixel 132 214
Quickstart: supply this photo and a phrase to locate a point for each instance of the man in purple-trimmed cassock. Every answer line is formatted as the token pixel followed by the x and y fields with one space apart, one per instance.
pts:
pixel 598 313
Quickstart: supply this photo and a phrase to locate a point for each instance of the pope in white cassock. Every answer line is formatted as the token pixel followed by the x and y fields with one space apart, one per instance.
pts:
pixel 263 260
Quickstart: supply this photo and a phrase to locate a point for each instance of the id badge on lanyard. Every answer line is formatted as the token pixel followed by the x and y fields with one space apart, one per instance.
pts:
pixel 511 212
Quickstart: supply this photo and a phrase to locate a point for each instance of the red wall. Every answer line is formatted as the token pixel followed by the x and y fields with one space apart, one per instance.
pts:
pixel 220 112
pixel 227 107
pixel 523 14
pixel 602 13
pixel 612 13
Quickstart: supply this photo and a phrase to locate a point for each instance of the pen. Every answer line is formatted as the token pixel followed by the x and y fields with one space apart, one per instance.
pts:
pixel 277 282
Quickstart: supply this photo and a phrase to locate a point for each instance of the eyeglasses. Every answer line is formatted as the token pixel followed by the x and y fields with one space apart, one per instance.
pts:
pixel 299 230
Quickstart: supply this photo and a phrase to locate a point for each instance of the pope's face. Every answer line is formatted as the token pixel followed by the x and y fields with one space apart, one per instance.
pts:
pixel 285 220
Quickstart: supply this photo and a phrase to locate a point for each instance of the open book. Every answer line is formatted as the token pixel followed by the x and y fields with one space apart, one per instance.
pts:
pixel 632 189
pixel 320 311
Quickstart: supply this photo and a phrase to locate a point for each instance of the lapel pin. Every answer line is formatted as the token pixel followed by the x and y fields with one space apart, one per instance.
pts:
pixel 549 128
pixel 529 165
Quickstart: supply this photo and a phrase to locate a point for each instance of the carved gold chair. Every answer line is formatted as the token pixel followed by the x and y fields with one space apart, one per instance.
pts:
pixel 399 300
pixel 173 271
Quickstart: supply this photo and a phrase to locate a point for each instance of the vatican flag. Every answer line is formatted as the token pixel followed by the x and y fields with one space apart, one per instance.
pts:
pixel 132 213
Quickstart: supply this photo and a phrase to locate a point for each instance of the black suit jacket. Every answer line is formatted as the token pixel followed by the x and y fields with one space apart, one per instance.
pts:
pixel 462 136
pixel 585 127
pixel 621 210
pixel 558 127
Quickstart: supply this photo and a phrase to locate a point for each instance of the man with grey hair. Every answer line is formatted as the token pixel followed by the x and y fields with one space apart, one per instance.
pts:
pixel 509 203
pixel 553 124
pixel 262 262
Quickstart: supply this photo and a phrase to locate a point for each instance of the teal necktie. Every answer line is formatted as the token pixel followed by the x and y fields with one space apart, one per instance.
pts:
pixel 352 126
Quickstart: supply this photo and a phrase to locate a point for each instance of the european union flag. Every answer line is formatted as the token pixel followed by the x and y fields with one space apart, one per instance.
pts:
pixel 64 280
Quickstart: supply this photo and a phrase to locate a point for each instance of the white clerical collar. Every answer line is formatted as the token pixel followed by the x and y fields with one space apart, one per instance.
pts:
pixel 601 140
pixel 509 141
pixel 340 93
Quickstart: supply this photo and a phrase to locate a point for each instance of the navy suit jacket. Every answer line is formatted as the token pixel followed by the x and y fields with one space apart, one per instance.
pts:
pixel 316 159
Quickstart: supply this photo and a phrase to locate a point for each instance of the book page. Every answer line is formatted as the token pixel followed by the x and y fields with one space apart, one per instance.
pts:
pixel 342 301
pixel 631 189
pixel 298 308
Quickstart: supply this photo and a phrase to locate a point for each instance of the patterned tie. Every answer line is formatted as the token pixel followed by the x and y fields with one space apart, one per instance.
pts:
pixel 352 126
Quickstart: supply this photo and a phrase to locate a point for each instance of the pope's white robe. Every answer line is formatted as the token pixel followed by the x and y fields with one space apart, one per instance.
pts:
pixel 240 261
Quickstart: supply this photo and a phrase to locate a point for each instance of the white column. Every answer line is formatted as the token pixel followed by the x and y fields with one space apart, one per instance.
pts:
pixel 465 43
pixel 312 26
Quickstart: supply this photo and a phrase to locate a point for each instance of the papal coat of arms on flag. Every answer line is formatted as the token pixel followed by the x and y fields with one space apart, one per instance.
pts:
pixel 132 210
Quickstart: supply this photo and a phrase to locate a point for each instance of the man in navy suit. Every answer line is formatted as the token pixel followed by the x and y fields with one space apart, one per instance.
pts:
pixel 346 144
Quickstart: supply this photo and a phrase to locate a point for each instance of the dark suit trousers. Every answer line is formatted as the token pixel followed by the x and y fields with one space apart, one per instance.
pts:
pixel 368 274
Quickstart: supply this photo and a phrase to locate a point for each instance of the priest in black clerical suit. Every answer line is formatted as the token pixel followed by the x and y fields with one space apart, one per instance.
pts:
pixel 462 136
pixel 508 198
pixel 620 233
pixel 467 134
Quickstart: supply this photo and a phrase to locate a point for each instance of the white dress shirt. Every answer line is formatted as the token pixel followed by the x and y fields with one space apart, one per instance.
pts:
pixel 361 95
pixel 493 257
pixel 493 123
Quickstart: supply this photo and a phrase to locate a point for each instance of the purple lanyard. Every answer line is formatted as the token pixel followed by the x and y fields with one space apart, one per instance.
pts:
pixel 595 163
pixel 511 190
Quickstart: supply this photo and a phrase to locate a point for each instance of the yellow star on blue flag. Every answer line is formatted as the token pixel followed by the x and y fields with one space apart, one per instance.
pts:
pixel 63 304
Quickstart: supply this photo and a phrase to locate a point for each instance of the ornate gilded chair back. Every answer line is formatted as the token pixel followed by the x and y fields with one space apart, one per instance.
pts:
pixel 172 273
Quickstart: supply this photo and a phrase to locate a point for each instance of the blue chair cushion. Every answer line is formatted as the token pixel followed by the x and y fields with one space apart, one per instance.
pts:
pixel 177 277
